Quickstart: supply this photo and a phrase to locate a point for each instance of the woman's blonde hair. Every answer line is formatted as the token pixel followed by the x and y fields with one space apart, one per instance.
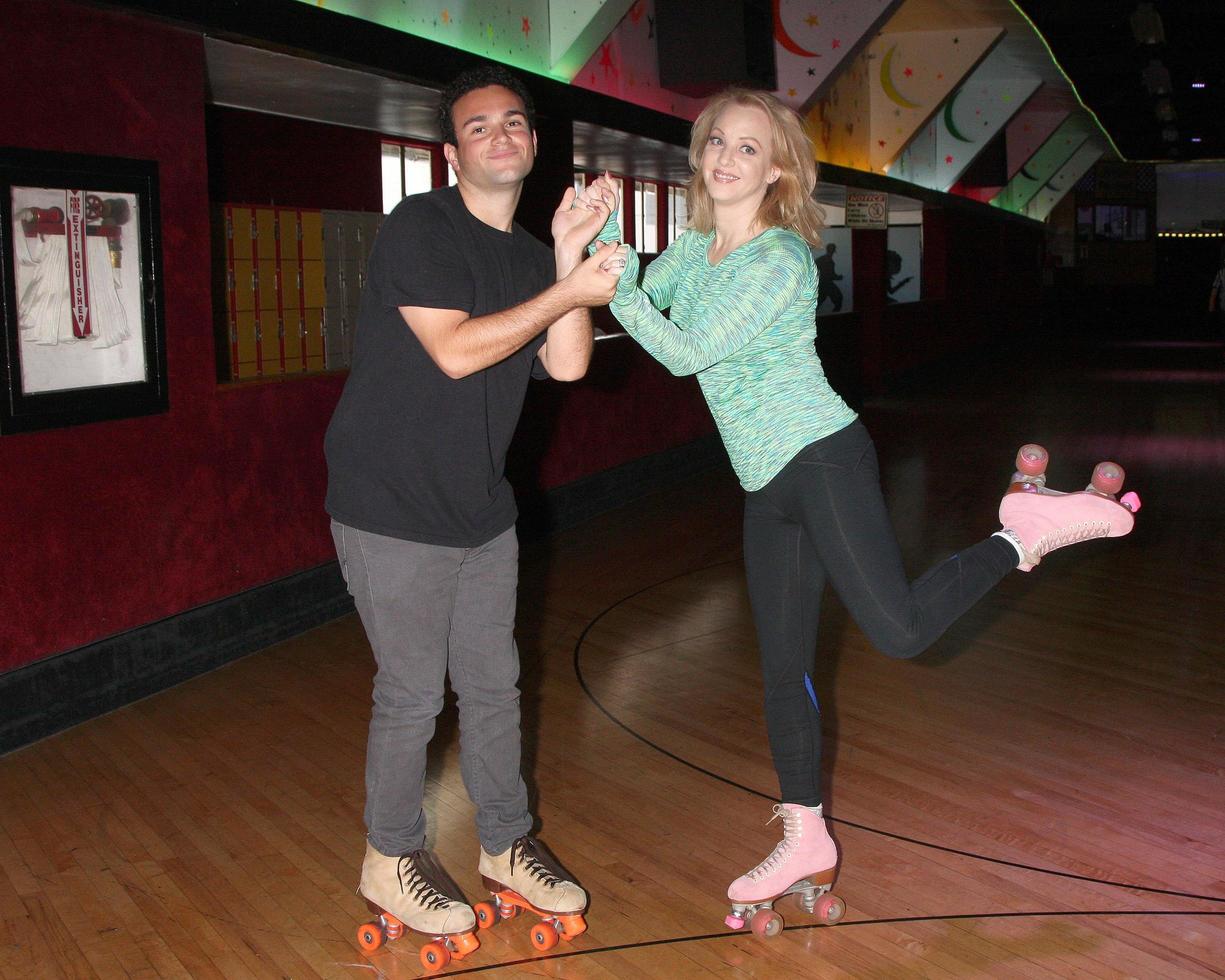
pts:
pixel 788 202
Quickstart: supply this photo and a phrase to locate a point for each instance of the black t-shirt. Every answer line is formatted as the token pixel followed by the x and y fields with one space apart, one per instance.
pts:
pixel 412 453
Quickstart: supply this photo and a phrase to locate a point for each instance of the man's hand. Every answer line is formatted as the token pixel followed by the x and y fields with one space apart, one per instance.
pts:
pixel 575 224
pixel 592 283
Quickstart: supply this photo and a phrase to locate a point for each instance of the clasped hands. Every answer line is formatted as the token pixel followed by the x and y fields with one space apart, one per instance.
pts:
pixel 576 222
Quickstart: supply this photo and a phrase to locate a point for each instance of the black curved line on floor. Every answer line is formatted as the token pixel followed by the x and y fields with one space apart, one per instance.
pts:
pixel 578 673
pixel 744 933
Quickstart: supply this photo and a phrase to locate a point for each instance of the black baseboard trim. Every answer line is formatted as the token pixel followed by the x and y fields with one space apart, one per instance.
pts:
pixel 58 692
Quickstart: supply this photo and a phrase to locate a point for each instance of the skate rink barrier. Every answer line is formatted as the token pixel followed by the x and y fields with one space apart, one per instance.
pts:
pixel 1037 795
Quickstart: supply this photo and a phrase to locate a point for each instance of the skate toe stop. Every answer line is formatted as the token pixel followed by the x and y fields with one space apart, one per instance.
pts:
pixel 1131 500
pixel 734 922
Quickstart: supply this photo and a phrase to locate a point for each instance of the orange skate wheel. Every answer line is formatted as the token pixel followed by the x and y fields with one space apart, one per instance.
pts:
pixel 830 909
pixel 1032 459
pixel 434 956
pixel 570 926
pixel 766 923
pixel 544 937
pixel 464 943
pixel 486 914
pixel 370 936
pixel 1107 478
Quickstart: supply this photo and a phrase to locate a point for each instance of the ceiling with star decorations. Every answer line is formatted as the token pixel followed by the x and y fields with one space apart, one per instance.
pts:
pixel 916 89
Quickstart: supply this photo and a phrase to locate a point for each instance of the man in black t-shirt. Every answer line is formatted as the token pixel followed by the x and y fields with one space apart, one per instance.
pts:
pixel 460 307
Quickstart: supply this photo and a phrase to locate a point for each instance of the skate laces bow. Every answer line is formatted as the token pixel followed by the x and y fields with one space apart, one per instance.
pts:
pixel 791 833
pixel 420 888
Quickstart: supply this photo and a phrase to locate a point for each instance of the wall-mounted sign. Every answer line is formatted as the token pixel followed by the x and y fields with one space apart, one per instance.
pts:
pixel 867 209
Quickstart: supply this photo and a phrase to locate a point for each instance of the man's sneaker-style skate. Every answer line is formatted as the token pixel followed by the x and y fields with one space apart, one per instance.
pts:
pixel 527 876
pixel 414 892
pixel 804 864
pixel 1038 520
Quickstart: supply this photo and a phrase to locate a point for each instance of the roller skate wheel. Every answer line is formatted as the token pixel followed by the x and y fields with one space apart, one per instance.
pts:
pixel 1032 459
pixel 370 936
pixel 544 937
pixel 434 956
pixel 766 923
pixel 734 922
pixel 486 916
pixel 569 926
pixel 1107 478
pixel 1131 500
pixel 830 909
pixel 463 944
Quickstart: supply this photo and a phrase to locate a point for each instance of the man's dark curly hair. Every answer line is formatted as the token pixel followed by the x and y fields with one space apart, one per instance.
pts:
pixel 470 81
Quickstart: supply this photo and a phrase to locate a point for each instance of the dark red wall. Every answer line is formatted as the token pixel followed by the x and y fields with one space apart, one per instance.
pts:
pixel 255 158
pixel 114 525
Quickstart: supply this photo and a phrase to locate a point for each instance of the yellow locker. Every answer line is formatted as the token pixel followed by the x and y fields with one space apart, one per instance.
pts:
pixel 265 270
pixel 245 333
pixel 238 230
pixel 265 232
pixel 270 343
pixel 314 293
pixel 313 320
pixel 287 220
pixel 312 235
pixel 292 327
pixel 244 285
pixel 290 284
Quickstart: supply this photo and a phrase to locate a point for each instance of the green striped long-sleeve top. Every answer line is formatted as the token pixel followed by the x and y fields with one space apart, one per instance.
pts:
pixel 746 327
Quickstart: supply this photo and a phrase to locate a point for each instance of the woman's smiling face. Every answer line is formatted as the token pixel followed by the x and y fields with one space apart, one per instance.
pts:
pixel 736 161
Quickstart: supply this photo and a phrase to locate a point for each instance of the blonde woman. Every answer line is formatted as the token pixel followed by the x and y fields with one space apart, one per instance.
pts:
pixel 742 291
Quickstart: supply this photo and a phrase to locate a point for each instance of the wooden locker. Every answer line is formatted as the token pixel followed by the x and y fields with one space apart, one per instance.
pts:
pixel 270 343
pixel 292 341
pixel 313 339
pixel 245 342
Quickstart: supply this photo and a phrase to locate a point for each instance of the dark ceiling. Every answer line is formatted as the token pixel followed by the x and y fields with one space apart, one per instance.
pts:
pixel 1094 43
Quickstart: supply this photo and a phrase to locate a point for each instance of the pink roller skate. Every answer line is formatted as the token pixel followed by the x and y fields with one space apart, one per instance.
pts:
pixel 803 864
pixel 1038 520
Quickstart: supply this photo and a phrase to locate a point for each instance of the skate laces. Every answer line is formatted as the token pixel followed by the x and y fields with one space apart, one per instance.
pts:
pixel 782 850
pixel 418 887
pixel 524 852
pixel 1070 534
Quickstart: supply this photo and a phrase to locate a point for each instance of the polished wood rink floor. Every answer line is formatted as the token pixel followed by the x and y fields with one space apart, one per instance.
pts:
pixel 1042 794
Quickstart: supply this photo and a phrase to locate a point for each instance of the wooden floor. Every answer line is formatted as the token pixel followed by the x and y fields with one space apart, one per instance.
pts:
pixel 1042 794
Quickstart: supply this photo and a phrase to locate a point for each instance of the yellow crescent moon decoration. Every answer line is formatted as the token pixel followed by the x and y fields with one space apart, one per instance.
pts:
pixel 886 82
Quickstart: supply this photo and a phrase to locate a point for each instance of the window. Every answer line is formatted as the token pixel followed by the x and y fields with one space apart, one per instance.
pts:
pixel 646 216
pixel 678 215
pixel 408 169
pixel 1120 223
pixel 643 207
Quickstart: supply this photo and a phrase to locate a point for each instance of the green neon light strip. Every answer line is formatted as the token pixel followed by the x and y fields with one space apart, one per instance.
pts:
pixel 1071 84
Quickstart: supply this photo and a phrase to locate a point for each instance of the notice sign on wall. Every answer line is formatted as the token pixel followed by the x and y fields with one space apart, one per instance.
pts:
pixel 867 209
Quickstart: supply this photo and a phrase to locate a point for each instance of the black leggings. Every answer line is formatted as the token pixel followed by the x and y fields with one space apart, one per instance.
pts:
pixel 823 516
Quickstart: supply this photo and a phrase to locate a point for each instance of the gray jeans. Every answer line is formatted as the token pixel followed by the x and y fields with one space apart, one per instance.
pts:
pixel 429 611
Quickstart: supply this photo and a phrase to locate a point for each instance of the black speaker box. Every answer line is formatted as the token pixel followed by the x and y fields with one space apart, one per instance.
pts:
pixel 706 45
